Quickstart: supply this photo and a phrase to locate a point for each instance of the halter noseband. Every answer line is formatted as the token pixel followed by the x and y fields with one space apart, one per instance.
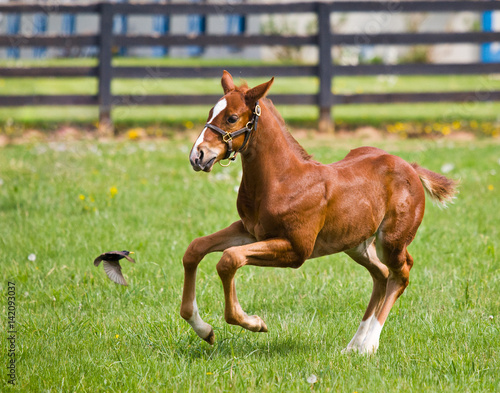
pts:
pixel 228 137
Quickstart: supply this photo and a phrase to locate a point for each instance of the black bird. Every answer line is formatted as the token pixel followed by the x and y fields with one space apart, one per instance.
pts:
pixel 112 265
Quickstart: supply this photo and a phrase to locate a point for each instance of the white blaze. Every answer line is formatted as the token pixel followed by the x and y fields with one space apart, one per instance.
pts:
pixel 218 108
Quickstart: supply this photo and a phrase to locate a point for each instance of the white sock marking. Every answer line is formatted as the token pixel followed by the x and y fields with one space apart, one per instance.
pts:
pixel 371 342
pixel 201 328
pixel 357 340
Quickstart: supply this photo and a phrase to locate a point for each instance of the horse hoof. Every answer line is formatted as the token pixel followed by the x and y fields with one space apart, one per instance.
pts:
pixel 348 350
pixel 263 327
pixel 211 337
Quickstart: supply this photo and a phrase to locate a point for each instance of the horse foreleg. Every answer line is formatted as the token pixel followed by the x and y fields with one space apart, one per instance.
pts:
pixel 271 253
pixel 234 235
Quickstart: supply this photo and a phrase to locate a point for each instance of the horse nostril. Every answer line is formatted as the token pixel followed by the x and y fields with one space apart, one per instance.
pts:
pixel 201 155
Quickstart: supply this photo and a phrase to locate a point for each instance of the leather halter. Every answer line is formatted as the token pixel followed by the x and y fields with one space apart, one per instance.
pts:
pixel 228 137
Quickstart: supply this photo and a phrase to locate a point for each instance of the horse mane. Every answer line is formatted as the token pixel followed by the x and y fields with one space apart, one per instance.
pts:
pixel 292 142
pixel 296 147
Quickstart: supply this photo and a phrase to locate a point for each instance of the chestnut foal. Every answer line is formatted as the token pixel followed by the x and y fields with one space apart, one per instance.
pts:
pixel 292 208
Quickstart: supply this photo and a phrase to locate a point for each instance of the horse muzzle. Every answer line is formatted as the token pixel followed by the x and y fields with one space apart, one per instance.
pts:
pixel 202 159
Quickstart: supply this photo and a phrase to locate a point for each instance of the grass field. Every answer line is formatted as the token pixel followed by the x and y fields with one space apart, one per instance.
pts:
pixel 79 332
pixel 371 114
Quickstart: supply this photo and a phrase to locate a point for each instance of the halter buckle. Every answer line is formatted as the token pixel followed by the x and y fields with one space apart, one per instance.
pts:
pixel 227 138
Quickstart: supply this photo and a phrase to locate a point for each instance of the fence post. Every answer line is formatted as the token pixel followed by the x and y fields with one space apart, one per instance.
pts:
pixel 325 68
pixel 105 70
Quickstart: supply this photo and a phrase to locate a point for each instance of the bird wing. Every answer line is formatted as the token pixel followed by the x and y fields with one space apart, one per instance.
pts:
pixel 114 272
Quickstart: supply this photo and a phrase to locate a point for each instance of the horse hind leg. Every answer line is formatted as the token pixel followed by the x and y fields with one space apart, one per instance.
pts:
pixel 365 254
pixel 399 263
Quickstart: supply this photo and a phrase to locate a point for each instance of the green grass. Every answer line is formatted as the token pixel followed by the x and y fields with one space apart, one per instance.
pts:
pixel 79 332
pixel 132 115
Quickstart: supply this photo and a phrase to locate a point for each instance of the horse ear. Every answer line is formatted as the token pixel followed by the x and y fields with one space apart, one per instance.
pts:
pixel 227 82
pixel 255 94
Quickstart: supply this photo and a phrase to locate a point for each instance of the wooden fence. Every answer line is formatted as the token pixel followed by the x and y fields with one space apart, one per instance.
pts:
pixel 325 70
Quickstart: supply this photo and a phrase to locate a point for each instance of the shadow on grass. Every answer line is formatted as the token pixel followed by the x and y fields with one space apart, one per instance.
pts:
pixel 240 345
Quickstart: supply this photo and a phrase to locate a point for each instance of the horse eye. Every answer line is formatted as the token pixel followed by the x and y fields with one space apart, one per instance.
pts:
pixel 232 119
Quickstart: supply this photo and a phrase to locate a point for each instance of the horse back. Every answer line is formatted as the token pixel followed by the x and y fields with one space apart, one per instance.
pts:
pixel 362 190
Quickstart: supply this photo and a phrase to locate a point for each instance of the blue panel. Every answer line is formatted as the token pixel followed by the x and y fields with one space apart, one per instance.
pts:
pixel 236 25
pixel 161 25
pixel 68 24
pixel 490 52
pixel 39 27
pixel 120 26
pixel 13 27
pixel 196 26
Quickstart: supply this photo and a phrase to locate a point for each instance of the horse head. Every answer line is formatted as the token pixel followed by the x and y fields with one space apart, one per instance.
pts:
pixel 229 123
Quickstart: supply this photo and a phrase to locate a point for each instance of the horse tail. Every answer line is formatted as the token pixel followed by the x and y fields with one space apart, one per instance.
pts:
pixel 439 187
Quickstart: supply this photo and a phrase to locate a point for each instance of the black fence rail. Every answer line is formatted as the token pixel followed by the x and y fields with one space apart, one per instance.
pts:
pixel 324 39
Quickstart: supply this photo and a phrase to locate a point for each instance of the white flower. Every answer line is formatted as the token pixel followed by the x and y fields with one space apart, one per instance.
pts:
pixel 222 176
pixel 448 167
pixel 490 317
pixel 312 379
pixel 1 182
pixel 32 257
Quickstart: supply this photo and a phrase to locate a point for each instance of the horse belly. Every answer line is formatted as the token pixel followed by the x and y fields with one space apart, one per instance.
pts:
pixel 324 247
pixel 347 228
pixel 332 242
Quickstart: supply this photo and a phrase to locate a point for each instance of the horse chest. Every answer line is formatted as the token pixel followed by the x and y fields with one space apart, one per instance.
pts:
pixel 260 217
pixel 261 224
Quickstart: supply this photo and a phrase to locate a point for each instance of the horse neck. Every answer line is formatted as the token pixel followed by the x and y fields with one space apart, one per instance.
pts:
pixel 269 153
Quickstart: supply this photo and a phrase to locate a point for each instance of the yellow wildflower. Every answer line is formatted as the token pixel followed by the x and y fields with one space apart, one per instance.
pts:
pixel 133 133
pixel 117 336
pixel 113 191
pixel 399 126
pixel 491 187
pixel 82 197
pixel 446 130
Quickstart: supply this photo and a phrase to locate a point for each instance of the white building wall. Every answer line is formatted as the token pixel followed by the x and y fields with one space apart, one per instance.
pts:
pixel 364 24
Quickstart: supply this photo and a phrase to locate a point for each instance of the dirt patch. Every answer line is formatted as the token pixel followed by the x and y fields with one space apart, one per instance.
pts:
pixel 365 135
